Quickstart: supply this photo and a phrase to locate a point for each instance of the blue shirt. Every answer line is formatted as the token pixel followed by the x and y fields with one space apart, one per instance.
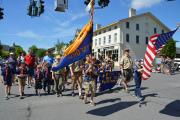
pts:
pixel 48 59
pixel 137 75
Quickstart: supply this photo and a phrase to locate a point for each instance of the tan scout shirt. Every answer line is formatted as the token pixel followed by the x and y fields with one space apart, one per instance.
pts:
pixel 61 71
pixel 126 62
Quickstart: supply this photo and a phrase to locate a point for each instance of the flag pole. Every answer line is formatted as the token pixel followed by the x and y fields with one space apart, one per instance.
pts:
pixel 92 20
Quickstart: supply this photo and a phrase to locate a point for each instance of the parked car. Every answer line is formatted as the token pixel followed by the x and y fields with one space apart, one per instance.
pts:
pixel 177 64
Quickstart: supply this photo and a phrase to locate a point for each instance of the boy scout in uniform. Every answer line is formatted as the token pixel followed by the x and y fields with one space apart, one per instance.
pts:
pixel 89 80
pixel 57 76
pixel 126 66
pixel 76 77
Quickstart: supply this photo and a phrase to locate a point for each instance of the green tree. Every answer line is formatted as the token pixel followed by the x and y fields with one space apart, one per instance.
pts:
pixel 33 49
pixel 5 54
pixel 1 48
pixel 40 52
pixel 18 50
pixel 170 49
pixel 60 46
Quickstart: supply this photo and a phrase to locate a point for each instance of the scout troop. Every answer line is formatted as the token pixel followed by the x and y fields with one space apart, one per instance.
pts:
pixel 82 73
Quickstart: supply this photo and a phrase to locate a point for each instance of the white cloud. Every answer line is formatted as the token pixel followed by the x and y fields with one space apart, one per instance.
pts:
pixel 138 4
pixel 29 34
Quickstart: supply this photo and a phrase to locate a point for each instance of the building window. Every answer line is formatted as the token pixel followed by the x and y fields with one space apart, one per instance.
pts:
pixel 127 37
pixel 146 40
pixel 155 30
pixel 104 41
pixel 109 38
pixel 115 55
pixel 104 31
pixel 115 27
pixel 95 42
pixel 137 27
pixel 115 37
pixel 109 29
pixel 99 32
pixel 99 41
pixel 162 31
pixel 127 24
pixel 137 39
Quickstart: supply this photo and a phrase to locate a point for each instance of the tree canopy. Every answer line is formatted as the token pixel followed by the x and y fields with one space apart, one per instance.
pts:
pixel 170 49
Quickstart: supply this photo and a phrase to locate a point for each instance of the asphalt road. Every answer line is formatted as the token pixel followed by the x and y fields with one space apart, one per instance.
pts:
pixel 161 93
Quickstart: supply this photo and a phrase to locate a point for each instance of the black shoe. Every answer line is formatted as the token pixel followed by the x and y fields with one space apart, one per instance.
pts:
pixel 21 97
pixel 6 98
pixel 73 94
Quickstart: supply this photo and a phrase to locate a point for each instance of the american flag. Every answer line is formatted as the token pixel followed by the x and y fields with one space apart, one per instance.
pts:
pixel 155 45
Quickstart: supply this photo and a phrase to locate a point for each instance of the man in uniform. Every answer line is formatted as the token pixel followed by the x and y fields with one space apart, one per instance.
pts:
pixel 126 66
pixel 76 77
pixel 57 76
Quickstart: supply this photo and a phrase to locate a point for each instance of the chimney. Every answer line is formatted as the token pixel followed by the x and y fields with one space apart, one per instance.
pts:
pixel 98 26
pixel 132 12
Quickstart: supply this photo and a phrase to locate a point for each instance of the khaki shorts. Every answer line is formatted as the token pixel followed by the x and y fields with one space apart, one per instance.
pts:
pixel 77 78
pixel 22 81
pixel 127 75
pixel 89 86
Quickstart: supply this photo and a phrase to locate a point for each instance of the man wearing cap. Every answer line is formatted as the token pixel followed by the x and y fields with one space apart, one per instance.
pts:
pixel 126 66
pixel 57 76
pixel 76 76
pixel 7 73
pixel 137 78
pixel 12 64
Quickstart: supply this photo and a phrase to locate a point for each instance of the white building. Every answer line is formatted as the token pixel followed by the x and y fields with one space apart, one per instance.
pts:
pixel 132 32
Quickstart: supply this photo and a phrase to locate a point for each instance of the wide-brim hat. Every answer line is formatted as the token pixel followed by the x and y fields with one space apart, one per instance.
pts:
pixel 126 50
pixel 58 56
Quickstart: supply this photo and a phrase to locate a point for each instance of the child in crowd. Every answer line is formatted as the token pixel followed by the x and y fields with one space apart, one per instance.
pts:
pixel 21 74
pixel 7 74
pixel 137 79
pixel 38 80
pixel 47 78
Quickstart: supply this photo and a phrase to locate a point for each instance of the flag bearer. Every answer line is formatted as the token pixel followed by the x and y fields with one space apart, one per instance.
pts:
pixel 58 76
pixel 137 78
pixel 89 80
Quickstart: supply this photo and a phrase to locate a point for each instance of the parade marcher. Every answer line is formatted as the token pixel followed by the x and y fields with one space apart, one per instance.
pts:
pixel 30 62
pixel 38 80
pixel 57 76
pixel 163 58
pixel 49 60
pixel 76 77
pixel 22 74
pixel 126 66
pixel 12 63
pixel 7 74
pixel 20 58
pixel 168 65
pixel 47 81
pixel 137 79
pixel 89 80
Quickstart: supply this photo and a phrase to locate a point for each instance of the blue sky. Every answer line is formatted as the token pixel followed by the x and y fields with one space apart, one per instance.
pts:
pixel 44 31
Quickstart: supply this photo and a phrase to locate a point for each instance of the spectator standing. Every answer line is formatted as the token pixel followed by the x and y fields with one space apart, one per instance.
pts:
pixel 7 74
pixel 30 62
pixel 22 74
